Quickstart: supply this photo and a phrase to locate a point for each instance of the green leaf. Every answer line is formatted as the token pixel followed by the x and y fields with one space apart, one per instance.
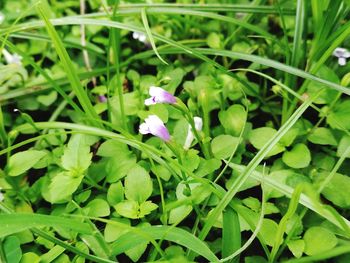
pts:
pixel 268 231
pixel 318 239
pixel 146 208
pixel 12 249
pixel 118 166
pixel 113 231
pixel 136 252
pixel 98 208
pixel 213 40
pixel 14 223
pixel 138 184
pixel 344 144
pixel 337 190
pixel 233 119
pixel 128 208
pixel 222 146
pixel 179 213
pixel 62 186
pixel 22 161
pixel 296 247
pixel 173 234
pixel 231 233
pixel 260 136
pixel 110 147
pixel 77 156
pixel 48 99
pixel 298 157
pixel 339 116
pixel 326 95
pixel 322 136
pixel 207 167
pixel 115 193
pixel 30 257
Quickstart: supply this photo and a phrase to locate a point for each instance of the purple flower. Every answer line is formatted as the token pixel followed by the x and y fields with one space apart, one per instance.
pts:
pixel 159 95
pixel 156 127
pixel 102 98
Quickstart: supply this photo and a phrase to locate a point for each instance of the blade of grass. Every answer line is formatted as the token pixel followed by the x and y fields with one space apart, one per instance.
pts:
pixel 68 66
pixel 149 34
pixel 231 234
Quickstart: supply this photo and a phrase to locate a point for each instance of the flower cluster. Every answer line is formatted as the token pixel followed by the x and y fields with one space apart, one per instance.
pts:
pixel 155 126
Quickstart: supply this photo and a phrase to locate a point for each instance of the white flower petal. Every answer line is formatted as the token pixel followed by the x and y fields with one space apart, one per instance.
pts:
pixel 342 61
pixel 150 101
pixel 198 123
pixel 144 128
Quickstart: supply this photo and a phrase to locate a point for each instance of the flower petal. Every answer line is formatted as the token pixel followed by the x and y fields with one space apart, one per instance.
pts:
pixel 159 95
pixel 144 128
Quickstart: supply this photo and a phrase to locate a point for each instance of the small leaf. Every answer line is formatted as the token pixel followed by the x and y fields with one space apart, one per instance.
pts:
pixel 179 213
pixel 98 208
pixel 222 146
pixel 62 186
pixel 339 117
pixel 337 190
pixel 22 161
pixel 77 156
pixel 12 249
pixel 298 157
pixel 118 166
pixel 113 231
pixel 213 40
pixel 207 166
pixel 322 136
pixel 296 247
pixel 48 99
pixel 344 144
pixel 115 193
pixel 318 239
pixel 260 136
pixel 30 257
pixel 128 208
pixel 233 119
pixel 138 184
pixel 146 208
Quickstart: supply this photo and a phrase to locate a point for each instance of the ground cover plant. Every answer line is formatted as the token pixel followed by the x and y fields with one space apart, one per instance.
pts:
pixel 214 131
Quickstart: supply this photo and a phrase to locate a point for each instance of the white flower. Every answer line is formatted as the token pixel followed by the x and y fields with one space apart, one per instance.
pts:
pixel 159 95
pixel 342 54
pixel 155 126
pixel 139 36
pixel 12 59
pixel 198 124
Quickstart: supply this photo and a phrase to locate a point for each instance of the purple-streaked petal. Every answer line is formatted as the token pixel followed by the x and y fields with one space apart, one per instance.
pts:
pixel 150 101
pixel 154 125
pixel 159 95
pixel 161 132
